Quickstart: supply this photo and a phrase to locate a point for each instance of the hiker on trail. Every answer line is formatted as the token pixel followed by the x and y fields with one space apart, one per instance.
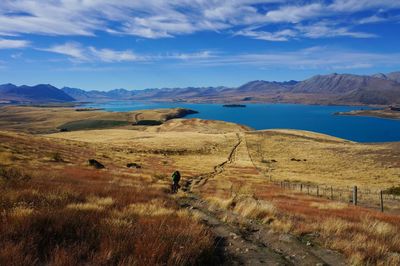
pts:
pixel 176 177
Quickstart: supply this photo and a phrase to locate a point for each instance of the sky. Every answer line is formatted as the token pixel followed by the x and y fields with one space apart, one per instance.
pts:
pixel 138 44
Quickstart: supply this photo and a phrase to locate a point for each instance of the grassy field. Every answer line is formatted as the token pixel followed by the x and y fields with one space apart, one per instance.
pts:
pixel 42 120
pixel 56 209
pixel 319 159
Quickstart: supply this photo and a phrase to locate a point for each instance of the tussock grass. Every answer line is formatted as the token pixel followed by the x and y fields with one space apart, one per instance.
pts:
pixel 220 203
pixel 152 208
pixel 365 236
pixel 255 209
pixel 76 216
pixel 368 241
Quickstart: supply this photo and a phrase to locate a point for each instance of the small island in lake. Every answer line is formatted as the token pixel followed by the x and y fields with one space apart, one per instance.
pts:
pixel 234 105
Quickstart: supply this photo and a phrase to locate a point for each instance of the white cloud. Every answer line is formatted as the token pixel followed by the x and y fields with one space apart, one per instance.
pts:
pixel 295 14
pixel 108 55
pixel 283 35
pixel 310 58
pixel 324 30
pixel 71 49
pixel 78 53
pixel 359 5
pixel 166 19
pixel 189 56
pixel 371 19
pixel 13 44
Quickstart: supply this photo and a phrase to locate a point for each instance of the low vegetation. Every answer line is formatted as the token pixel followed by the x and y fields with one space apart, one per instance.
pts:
pixel 66 213
pixel 91 124
pixel 148 123
pixel 393 190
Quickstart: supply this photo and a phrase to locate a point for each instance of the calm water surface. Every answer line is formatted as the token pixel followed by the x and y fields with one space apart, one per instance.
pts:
pixel 285 116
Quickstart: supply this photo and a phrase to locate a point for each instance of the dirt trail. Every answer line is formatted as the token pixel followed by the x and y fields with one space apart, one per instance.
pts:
pixel 244 242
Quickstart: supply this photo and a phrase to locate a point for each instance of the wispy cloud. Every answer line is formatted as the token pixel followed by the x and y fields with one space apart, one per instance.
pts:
pixel 81 54
pixel 71 49
pixel 324 30
pixel 309 58
pixel 166 19
pixel 359 5
pixel 317 57
pixel 295 13
pixel 283 35
pixel 13 44
pixel 109 55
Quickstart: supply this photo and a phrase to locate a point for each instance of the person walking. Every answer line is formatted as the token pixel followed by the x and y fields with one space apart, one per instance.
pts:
pixel 176 177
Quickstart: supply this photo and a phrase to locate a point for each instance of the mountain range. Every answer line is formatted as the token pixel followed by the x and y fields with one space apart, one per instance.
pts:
pixel 347 89
pixel 39 93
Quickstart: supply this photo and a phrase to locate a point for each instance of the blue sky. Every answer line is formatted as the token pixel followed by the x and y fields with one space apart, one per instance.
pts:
pixel 135 44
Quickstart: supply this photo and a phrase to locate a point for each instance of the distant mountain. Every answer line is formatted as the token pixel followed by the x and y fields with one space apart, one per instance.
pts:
pixel 320 89
pixel 78 94
pixel 264 86
pixel 351 89
pixel 35 94
pixel 347 89
pixel 394 76
pixel 342 83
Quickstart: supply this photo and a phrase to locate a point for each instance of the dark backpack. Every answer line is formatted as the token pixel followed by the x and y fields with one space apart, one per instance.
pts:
pixel 176 176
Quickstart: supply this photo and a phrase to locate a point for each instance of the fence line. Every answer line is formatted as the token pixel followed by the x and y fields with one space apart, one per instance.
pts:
pixel 354 195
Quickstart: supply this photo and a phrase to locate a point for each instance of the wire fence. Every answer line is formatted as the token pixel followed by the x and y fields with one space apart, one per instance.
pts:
pixel 365 197
pixel 376 199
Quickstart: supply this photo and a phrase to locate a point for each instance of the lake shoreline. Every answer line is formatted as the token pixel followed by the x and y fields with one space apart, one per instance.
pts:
pixel 316 118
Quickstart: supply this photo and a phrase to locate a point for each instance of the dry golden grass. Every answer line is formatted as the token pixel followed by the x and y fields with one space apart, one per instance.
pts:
pixel 121 202
pixel 64 213
pixel 46 120
pixel 200 126
pixel 255 209
pixel 325 160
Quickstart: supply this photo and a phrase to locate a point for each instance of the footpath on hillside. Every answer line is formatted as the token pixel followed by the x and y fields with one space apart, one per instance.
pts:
pixel 242 241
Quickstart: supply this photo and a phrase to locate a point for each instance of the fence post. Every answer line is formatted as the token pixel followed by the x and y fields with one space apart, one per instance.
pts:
pixel 355 195
pixel 381 198
pixel 301 187
pixel 331 193
pixel 317 191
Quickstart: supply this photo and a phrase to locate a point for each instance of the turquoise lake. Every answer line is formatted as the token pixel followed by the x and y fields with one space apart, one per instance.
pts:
pixel 316 118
